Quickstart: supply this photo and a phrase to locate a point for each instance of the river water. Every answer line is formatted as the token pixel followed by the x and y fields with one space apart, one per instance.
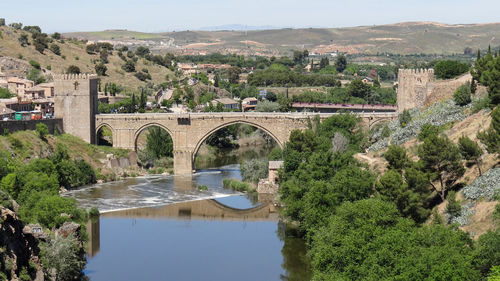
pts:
pixel 164 228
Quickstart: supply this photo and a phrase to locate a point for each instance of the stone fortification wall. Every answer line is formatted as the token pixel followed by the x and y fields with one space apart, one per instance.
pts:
pixel 14 126
pixel 418 89
pixel 444 89
pixel 76 103
pixel 414 86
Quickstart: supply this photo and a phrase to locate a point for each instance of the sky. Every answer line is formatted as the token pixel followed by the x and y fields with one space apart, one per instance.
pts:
pixel 168 15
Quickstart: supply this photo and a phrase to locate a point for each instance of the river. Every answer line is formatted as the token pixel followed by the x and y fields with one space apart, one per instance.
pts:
pixel 164 228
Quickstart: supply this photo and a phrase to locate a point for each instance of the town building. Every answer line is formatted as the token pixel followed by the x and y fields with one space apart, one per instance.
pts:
pixel 226 102
pixel 18 85
pixel 249 103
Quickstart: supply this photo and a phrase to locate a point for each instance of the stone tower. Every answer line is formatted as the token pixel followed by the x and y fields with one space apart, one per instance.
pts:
pixel 413 87
pixel 76 104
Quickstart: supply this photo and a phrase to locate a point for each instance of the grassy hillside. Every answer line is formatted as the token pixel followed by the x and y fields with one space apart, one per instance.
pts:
pixel 401 38
pixel 74 53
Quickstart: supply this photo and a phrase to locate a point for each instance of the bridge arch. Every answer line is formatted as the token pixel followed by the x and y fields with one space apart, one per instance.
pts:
pixel 213 130
pixel 138 132
pixel 102 126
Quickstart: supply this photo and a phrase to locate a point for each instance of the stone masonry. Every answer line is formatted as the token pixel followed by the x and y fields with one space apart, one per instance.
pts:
pixel 76 103
pixel 414 86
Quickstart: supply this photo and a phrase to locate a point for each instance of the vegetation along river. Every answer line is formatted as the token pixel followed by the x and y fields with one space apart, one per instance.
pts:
pixel 164 228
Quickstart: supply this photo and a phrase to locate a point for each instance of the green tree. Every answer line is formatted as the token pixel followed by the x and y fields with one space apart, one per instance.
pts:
pixel 491 137
pixel 341 63
pixel 462 95
pixel 23 40
pixel 454 206
pixel 428 130
pixel 73 69
pixel 324 62
pixel 101 69
pixel 129 66
pixel 470 151
pixel 61 258
pixel 487 252
pixel 447 69
pixel 397 158
pixel 441 159
pixel 159 143
pixel 267 106
pixel 359 89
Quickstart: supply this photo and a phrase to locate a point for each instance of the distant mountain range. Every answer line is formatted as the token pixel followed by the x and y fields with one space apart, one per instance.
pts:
pixel 399 38
pixel 238 27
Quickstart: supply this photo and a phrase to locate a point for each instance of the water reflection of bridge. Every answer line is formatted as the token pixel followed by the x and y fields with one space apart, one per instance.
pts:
pixel 201 210
pixel 194 210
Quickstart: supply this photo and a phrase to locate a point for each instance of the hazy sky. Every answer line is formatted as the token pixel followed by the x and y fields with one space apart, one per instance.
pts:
pixel 167 15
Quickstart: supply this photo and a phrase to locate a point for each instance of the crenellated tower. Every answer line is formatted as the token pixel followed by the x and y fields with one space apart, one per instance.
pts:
pixel 413 87
pixel 76 104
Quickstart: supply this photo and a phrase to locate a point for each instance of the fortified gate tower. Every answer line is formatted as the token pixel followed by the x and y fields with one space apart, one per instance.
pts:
pixel 76 103
pixel 414 85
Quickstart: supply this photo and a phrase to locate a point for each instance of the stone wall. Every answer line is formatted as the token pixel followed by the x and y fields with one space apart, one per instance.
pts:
pixel 413 87
pixel 14 126
pixel 417 88
pixel 444 89
pixel 76 104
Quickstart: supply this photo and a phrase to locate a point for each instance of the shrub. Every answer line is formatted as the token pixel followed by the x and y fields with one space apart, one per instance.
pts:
pixel 404 118
pixel 73 69
pixel 35 64
pixel 428 130
pixel 129 66
pixel 480 104
pixel 253 170
pixel 462 95
pixel 101 69
pixel 454 207
pixel 42 130
pixel 55 49
pixel 93 212
pixel 236 185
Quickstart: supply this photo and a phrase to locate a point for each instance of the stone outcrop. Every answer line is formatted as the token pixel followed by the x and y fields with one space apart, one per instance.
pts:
pixel 19 246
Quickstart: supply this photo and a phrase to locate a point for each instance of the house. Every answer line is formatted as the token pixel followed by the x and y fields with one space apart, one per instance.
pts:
pixel 49 89
pixel 18 85
pixel 249 103
pixel 187 68
pixel 20 105
pixel 6 113
pixel 226 102
pixel 33 93
pixel 368 80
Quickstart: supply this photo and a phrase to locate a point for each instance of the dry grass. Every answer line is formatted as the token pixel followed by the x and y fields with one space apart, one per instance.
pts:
pixel 75 54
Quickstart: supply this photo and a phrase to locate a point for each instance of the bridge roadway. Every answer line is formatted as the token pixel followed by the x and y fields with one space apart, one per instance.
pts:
pixel 190 130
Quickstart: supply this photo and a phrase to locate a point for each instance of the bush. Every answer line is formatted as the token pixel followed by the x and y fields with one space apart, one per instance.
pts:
pixel 101 69
pixel 73 69
pixel 35 64
pixel 236 185
pixel 462 95
pixel 94 212
pixel 404 118
pixel 428 130
pixel 5 93
pixel 42 130
pixel 55 49
pixel 129 66
pixel 480 104
pixel 253 170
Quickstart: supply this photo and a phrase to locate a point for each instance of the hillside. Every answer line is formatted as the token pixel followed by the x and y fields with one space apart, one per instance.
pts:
pixel 72 53
pixel 400 38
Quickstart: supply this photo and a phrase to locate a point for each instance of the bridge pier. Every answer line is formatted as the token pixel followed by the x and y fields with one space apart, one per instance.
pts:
pixel 183 162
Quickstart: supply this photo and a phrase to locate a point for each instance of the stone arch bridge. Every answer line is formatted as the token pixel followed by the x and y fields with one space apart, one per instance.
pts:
pixel 190 130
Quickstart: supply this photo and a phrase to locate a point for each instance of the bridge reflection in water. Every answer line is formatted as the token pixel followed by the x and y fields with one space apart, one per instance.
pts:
pixel 208 210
